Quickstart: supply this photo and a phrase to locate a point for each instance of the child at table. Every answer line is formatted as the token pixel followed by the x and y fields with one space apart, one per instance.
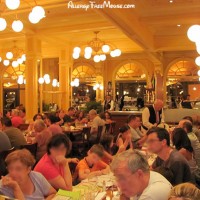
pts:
pixel 91 165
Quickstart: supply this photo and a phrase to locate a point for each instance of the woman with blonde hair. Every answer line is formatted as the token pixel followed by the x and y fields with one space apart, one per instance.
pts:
pixel 185 191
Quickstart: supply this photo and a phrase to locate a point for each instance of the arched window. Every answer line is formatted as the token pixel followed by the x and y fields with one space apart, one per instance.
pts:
pixel 130 71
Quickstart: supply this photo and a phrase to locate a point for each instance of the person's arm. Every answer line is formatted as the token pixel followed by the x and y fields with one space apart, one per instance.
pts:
pixel 112 105
pixel 84 174
pixel 64 182
pixel 107 155
pixel 52 193
pixel 145 118
pixel 9 182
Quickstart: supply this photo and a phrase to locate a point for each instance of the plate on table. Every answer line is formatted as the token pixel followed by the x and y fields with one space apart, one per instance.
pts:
pixel 108 183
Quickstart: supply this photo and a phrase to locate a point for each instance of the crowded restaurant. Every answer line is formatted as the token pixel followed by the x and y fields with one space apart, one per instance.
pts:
pixel 100 100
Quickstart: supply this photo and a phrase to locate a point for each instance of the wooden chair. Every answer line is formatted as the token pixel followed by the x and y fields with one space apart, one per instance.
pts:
pixel 23 127
pixel 31 147
pixel 108 128
pixel 112 130
pixel 99 133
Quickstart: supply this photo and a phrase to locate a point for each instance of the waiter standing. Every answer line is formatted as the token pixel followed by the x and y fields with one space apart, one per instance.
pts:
pixel 152 115
pixel 109 103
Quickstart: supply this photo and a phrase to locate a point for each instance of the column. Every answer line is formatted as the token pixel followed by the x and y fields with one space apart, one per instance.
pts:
pixel 159 87
pixel 65 63
pixel 1 94
pixel 99 79
pixel 33 53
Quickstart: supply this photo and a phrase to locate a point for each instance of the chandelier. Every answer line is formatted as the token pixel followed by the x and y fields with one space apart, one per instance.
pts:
pixel 98 49
pixel 75 82
pixel 46 79
pixel 13 56
pixel 37 13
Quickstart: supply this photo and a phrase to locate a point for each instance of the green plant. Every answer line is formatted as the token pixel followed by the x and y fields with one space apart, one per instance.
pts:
pixel 93 105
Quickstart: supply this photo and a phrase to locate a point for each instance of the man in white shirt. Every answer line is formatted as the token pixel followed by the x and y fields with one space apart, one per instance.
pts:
pixel 135 180
pixel 152 115
pixel 109 103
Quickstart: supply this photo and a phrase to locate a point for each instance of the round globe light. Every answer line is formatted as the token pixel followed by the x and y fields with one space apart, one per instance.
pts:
pixel 118 52
pixel 77 50
pixel 197 60
pixel 97 85
pixel 9 55
pixel 94 88
pixel 87 55
pixel 47 81
pixel 76 80
pixel 101 87
pixel 75 55
pixel 112 54
pixel 103 57
pixel 33 18
pixel 24 57
pixel 41 80
pixel 46 76
pixel 17 25
pixel 105 48
pixel 39 11
pixel 198 72
pixel 58 84
pixel 88 50
pixel 72 83
pixel 193 33
pixel 3 24
pixel 76 84
pixel 20 61
pixel 6 62
pixel 21 77
pixel 20 81
pixel 96 58
pixel 12 4
pixel 14 64
pixel 54 84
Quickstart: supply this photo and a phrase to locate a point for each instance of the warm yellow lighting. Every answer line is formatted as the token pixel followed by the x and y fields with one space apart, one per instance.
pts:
pixel 105 48
pixel 197 61
pixel 17 25
pixel 47 81
pixel 3 24
pixel 102 57
pixel 9 55
pixel 198 72
pixel 46 76
pixel 75 55
pixel 41 80
pixel 88 50
pixel 6 62
pixel 12 4
pixel 15 64
pixel 77 50
pixel 96 58
pixel 193 33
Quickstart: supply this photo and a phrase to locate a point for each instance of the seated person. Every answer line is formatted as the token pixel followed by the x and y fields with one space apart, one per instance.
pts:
pixel 69 117
pixel 185 191
pixel 42 136
pixel 80 117
pixel 5 144
pixel 95 121
pixel 108 117
pixel 124 139
pixel 53 127
pixel 22 183
pixel 158 142
pixel 15 136
pixel 16 119
pixel 107 142
pixel 137 136
pixel 91 165
pixel 54 166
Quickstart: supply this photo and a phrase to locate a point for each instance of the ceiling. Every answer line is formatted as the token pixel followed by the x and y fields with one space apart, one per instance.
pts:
pixel 150 27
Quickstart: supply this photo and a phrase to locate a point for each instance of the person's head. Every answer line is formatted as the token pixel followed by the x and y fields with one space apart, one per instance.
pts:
pixel 15 112
pixel 185 191
pixel 132 171
pixel 61 114
pixel 188 118
pixel 196 120
pixel 134 121
pixel 8 113
pixel 157 140
pixel 187 126
pixel 95 153
pixel 180 139
pixel 125 131
pixel 107 142
pixel 158 104
pixel 107 115
pixel 39 125
pixel 52 119
pixel 80 114
pixel 108 98
pixel 19 164
pixel 22 112
pixel 6 122
pixel 58 145
pixel 92 114
pixel 37 116
pixel 182 121
pixel 71 111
